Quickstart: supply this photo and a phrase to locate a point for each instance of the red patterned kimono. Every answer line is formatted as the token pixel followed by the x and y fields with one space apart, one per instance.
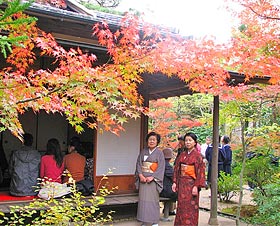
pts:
pixel 188 205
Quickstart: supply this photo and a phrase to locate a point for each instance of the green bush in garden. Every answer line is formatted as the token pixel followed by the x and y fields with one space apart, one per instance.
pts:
pixel 228 186
pixel 268 203
pixel 259 171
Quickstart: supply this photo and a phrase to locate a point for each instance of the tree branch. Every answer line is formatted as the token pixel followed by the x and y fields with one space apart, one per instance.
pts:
pixel 260 15
pixel 36 98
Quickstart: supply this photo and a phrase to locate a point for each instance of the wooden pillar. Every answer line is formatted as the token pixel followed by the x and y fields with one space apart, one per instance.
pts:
pixel 144 123
pixel 213 220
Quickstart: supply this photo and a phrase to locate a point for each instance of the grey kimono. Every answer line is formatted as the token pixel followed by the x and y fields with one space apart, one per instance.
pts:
pixel 149 165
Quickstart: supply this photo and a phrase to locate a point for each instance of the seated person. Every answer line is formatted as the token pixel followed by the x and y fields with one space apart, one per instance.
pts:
pixel 52 165
pixel 51 171
pixel 74 162
pixel 89 168
pixel 24 168
pixel 168 181
pixel 1 176
pixel 3 163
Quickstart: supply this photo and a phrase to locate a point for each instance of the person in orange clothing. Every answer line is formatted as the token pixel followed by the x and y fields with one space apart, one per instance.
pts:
pixel 74 162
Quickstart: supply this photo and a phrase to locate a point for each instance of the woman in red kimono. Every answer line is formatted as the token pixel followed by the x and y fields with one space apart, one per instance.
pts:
pixel 188 179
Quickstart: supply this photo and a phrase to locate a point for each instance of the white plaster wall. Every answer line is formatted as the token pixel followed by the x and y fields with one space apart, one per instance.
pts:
pixel 119 152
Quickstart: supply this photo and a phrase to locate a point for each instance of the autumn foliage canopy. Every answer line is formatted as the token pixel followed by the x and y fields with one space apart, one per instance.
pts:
pixel 105 96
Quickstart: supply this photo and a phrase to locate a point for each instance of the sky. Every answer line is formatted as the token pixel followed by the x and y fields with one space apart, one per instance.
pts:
pixel 198 18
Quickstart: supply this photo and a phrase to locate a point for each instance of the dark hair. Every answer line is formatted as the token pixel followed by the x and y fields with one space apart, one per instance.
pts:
pixel 77 145
pixel 53 148
pixel 180 137
pixel 75 139
pixel 226 139
pixel 27 139
pixel 192 135
pixel 153 134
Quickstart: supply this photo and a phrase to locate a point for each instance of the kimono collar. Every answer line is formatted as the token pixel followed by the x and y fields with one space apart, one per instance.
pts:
pixel 191 150
pixel 151 151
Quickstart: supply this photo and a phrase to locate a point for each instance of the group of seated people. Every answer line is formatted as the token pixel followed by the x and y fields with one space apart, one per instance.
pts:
pixel 29 170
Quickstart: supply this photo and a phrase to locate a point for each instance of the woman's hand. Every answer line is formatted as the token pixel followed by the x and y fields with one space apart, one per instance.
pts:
pixel 174 188
pixel 195 191
pixel 142 178
pixel 149 179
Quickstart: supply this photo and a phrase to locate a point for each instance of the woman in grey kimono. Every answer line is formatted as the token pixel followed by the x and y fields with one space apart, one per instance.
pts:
pixel 149 180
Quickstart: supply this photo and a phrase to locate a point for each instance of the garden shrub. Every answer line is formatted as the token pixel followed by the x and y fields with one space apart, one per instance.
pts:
pixel 73 209
pixel 268 203
pixel 228 186
pixel 259 171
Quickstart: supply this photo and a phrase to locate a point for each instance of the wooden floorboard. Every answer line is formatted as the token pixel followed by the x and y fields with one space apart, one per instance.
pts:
pixel 111 200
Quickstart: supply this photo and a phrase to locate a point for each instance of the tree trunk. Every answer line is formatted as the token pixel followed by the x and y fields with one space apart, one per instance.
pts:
pixel 241 173
pixel 213 220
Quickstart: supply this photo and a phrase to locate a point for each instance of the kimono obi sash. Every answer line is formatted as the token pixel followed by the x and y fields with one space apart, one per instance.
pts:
pixel 149 167
pixel 188 170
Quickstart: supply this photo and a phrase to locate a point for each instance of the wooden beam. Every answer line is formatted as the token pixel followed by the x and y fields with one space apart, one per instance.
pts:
pixel 169 89
pixel 78 39
pixel 236 78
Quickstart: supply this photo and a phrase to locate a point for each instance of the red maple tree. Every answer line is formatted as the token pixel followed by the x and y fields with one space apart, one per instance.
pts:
pixel 107 95
pixel 167 123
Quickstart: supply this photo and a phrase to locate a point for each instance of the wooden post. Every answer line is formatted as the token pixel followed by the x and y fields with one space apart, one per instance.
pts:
pixel 144 123
pixel 213 220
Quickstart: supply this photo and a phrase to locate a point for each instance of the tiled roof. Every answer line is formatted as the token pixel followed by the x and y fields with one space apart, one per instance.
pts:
pixel 76 11
pixel 94 16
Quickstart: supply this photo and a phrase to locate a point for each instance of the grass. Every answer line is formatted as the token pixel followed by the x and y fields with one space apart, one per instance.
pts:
pixel 247 211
